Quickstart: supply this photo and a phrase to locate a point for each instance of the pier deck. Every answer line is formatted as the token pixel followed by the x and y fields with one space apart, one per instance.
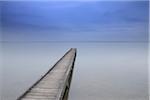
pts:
pixel 55 83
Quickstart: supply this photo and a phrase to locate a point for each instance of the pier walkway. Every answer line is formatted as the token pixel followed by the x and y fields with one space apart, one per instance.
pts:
pixel 54 85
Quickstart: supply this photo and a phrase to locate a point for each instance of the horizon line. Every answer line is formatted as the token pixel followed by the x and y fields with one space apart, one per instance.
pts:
pixel 75 41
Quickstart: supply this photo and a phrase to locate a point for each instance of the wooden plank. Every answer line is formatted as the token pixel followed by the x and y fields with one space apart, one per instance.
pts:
pixel 53 84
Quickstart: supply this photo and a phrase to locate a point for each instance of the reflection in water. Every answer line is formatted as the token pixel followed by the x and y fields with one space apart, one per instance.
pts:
pixel 107 71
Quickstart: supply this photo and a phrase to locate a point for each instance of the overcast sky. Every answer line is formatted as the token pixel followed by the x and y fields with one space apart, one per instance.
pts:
pixel 74 21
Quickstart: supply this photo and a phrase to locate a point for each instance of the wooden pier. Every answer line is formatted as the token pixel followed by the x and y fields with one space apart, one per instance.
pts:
pixel 54 85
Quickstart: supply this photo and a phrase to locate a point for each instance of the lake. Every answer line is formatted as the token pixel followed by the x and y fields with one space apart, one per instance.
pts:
pixel 103 70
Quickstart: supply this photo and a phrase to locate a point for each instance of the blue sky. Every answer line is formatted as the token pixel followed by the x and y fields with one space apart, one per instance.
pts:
pixel 75 20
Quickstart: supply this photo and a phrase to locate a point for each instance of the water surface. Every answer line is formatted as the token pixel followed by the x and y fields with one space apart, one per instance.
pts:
pixel 103 71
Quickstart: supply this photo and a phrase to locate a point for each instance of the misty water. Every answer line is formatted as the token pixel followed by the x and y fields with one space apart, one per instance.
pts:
pixel 103 71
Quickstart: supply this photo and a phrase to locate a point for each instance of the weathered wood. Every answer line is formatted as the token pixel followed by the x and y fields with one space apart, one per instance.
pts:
pixel 55 83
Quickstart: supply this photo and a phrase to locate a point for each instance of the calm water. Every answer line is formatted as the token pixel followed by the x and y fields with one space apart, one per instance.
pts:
pixel 103 71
